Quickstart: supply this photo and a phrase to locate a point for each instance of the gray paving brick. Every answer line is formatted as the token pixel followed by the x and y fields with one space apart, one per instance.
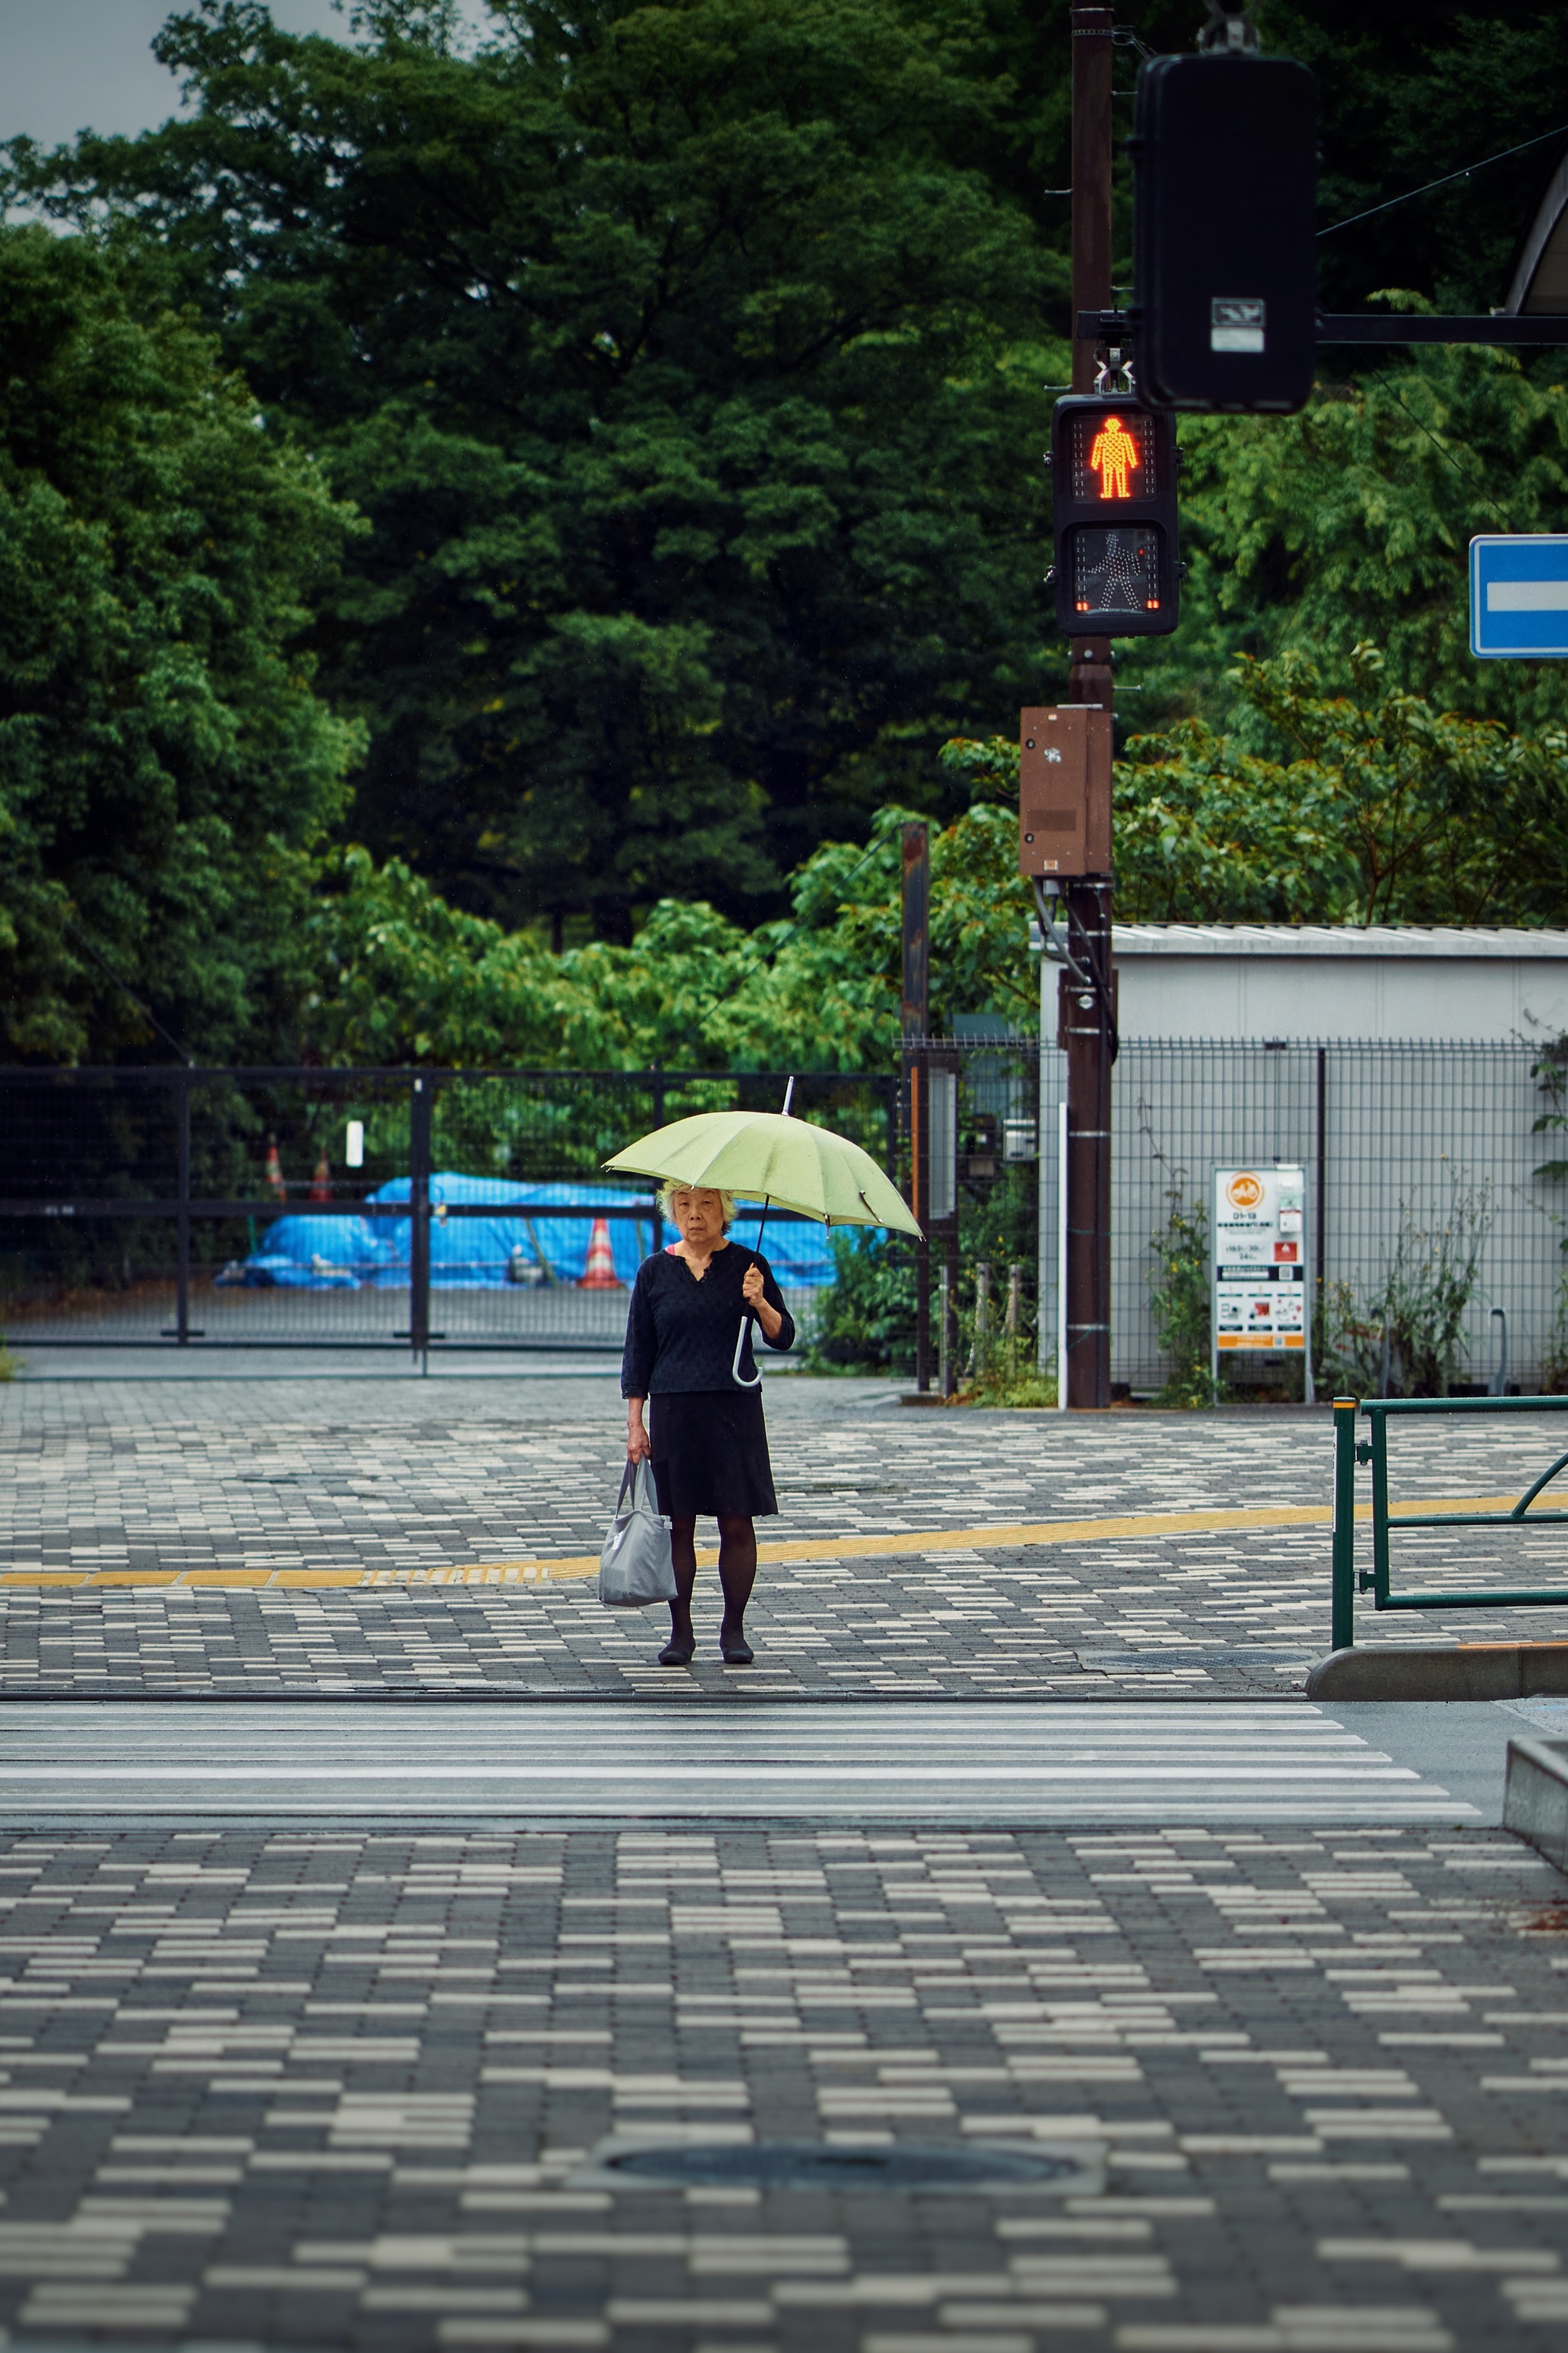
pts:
pixel 321 2156
pixel 414 1480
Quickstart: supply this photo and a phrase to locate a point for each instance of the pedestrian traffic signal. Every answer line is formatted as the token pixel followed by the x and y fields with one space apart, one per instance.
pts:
pixel 1113 479
pixel 1224 250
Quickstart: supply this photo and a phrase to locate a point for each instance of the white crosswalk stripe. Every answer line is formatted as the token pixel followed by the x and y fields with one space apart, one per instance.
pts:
pixel 374 1760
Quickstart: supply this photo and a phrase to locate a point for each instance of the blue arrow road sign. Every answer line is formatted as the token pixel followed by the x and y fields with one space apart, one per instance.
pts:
pixel 1518 597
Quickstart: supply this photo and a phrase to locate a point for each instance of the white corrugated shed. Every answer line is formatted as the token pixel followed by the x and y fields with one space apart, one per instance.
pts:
pixel 1397 1065
pixel 1325 981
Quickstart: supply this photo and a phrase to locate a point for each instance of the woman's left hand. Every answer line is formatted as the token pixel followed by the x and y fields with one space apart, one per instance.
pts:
pixel 752 1293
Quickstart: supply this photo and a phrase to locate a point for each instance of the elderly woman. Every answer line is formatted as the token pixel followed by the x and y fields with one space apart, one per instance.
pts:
pixel 688 1347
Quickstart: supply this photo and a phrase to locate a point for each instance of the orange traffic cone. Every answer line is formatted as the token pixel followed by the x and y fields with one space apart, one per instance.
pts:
pixel 273 1178
pixel 599 1274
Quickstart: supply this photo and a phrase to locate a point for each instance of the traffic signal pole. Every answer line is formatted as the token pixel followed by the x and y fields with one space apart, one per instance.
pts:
pixel 1091 135
pixel 1086 1015
pixel 1226 323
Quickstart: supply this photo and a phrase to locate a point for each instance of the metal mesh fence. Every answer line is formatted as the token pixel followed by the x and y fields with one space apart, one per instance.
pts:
pixel 1416 1157
pixel 222 1205
pixel 344 1207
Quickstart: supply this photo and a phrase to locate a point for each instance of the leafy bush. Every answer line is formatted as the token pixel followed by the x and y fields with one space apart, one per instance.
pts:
pixel 1004 1358
pixel 1549 1071
pixel 1406 1339
pixel 866 1320
pixel 1029 1390
pixel 1179 1298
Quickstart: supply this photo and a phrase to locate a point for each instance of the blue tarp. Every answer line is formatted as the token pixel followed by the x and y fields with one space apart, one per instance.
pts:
pixel 305 1252
pixel 476 1253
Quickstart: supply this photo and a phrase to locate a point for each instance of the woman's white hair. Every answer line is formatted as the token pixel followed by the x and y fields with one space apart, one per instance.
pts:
pixel 674 1184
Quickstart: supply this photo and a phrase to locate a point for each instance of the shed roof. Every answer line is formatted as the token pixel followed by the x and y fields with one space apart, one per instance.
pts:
pixel 1373 940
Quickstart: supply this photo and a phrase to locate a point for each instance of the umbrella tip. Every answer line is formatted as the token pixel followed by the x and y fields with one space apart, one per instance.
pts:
pixel 789 1095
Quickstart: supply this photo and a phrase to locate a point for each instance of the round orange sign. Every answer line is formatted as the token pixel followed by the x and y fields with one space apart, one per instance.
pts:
pixel 1244 1191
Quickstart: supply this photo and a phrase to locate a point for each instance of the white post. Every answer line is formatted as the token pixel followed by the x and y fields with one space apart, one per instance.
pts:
pixel 982 1319
pixel 1044 1239
pixel 1214 1283
pixel 1062 1256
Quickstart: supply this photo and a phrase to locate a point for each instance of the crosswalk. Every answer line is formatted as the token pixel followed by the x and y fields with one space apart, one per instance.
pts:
pixel 437 1761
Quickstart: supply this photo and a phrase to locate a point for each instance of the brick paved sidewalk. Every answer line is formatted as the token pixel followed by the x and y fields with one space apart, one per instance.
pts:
pixel 344 2089
pixel 335 1535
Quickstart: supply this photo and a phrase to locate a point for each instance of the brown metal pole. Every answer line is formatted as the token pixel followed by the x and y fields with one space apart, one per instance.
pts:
pixel 1087 1027
pixel 916 1020
pixel 1091 137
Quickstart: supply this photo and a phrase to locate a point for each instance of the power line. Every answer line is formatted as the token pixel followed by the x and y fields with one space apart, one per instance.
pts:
pixel 1448 457
pixel 79 935
pixel 1410 194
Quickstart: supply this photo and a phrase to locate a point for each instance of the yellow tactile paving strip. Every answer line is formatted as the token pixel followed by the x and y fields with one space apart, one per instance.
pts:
pixel 907 1541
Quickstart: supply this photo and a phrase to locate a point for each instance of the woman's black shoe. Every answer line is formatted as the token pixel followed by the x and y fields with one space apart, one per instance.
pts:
pixel 677 1654
pixel 735 1650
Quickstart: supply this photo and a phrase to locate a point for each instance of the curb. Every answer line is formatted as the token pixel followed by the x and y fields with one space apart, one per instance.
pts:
pixel 1535 1797
pixel 1464 1671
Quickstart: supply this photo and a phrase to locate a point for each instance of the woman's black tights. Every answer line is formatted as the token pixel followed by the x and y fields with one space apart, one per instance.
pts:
pixel 737 1573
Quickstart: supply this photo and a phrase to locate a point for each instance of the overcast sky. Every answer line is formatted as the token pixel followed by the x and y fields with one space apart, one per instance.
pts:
pixel 75 65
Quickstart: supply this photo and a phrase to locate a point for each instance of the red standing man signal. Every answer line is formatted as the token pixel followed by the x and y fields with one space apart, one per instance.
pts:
pixel 1113 454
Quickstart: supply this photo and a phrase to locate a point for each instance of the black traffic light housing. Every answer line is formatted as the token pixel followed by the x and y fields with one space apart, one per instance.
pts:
pixel 1224 219
pixel 1113 512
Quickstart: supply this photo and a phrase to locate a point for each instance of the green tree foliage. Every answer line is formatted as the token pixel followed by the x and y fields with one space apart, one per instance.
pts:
pixel 165 765
pixel 1351 523
pixel 399 974
pixel 683 377
pixel 686 364
pixel 1391 812
pixel 1408 94
pixel 1384 808
pixel 864 1320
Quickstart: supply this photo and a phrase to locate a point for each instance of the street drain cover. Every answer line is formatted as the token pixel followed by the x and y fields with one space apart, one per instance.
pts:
pixel 810 2165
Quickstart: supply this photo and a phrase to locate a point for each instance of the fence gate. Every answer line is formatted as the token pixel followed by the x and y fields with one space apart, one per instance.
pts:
pixel 361 1208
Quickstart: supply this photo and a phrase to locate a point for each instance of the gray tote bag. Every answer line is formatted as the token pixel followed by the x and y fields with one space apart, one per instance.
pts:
pixel 634 1563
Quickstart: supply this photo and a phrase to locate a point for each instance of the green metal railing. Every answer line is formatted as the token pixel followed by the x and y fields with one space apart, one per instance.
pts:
pixel 1349 1451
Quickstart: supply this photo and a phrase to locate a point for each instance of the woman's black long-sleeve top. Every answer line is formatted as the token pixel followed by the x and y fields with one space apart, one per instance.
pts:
pixel 682 1334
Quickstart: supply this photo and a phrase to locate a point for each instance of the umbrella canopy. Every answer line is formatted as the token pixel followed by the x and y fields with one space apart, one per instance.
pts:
pixel 772 1157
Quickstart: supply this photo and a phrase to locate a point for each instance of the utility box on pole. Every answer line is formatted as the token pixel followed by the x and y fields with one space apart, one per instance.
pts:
pixel 1064 791
pixel 1225 232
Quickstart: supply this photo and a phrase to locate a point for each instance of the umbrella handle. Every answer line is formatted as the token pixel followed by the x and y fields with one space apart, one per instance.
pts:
pixel 756 1380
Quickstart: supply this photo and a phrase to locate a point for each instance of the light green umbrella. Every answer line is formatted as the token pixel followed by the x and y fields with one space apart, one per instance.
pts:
pixel 776 1159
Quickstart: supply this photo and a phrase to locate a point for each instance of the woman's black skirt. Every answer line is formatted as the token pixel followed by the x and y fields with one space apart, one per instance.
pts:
pixel 710 1454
